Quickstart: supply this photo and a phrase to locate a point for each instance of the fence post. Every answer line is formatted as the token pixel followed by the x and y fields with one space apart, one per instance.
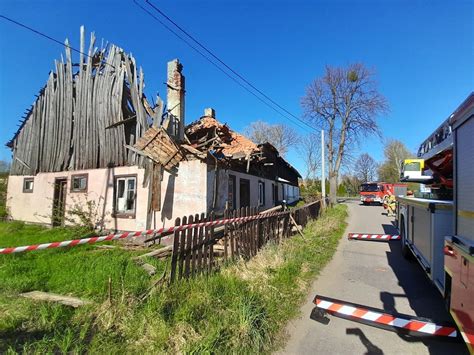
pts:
pixel 174 255
pixel 182 249
pixel 211 246
pixel 226 230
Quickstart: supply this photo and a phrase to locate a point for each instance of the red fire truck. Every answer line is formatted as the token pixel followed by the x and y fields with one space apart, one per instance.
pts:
pixel 438 227
pixel 376 191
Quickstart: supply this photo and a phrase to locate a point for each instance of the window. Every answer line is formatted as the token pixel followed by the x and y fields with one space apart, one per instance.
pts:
pixel 231 192
pixel 414 166
pixel 79 183
pixel 28 184
pixel 125 194
pixel 261 193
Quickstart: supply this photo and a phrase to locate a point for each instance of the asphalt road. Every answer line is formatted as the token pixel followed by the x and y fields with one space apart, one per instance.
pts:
pixel 373 274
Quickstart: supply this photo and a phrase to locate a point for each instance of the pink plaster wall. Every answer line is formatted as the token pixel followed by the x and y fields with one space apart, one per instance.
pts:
pixel 185 195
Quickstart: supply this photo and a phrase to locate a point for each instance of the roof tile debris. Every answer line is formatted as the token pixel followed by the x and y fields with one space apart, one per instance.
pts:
pixel 208 133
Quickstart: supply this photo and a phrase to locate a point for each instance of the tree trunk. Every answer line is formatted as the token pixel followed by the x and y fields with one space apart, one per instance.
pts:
pixel 332 188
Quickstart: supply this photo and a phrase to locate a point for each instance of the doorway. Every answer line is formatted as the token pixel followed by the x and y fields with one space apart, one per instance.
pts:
pixel 59 202
pixel 244 193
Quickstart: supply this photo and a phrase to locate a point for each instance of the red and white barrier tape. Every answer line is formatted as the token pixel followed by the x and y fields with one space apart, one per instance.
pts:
pixel 353 312
pixel 96 239
pixel 373 236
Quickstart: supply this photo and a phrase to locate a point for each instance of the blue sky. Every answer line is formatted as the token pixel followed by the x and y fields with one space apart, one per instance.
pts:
pixel 422 51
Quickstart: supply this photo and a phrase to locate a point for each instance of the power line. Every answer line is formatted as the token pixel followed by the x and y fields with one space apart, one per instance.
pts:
pixel 212 62
pixel 49 37
pixel 189 44
pixel 225 65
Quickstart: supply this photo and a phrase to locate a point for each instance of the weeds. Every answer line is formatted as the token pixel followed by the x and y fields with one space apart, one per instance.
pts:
pixel 242 309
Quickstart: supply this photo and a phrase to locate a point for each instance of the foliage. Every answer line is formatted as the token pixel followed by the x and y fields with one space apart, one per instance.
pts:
pixel 3 195
pixel 345 103
pixel 365 168
pixel 4 167
pixel 351 184
pixel 310 190
pixel 281 136
pixel 228 312
pixel 341 190
pixel 395 153
pixel 86 213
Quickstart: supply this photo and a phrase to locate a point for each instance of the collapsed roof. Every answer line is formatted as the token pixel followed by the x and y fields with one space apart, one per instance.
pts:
pixel 209 140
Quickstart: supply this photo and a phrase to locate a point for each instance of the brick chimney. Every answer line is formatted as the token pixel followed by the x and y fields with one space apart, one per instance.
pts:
pixel 210 112
pixel 175 99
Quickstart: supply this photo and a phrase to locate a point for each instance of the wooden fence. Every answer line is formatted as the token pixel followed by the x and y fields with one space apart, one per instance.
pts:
pixel 203 249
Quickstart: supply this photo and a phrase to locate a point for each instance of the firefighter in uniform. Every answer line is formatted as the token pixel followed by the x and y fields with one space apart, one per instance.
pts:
pixel 390 205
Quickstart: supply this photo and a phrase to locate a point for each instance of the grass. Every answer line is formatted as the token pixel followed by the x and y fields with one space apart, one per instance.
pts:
pixel 241 309
pixel 3 195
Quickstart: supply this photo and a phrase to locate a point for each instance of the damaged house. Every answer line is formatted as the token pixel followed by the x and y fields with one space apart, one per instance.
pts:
pixel 93 144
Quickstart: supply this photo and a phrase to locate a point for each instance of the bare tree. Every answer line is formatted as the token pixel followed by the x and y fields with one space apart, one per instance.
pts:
pixel 281 136
pixel 309 149
pixel 345 102
pixel 365 168
pixel 395 153
pixel 4 166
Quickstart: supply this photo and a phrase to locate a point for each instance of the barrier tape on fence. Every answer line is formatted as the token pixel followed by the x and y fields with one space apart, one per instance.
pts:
pixel 371 316
pixel 97 239
pixel 379 237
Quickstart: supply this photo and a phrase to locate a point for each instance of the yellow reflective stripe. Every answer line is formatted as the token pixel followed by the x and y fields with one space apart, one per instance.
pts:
pixel 466 214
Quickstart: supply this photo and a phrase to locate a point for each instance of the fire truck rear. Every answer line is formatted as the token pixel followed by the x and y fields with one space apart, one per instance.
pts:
pixel 371 192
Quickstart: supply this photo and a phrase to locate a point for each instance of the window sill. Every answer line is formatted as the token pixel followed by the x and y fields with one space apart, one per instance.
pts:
pixel 124 215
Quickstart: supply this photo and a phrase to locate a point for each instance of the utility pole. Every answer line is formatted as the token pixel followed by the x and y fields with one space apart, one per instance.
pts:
pixel 323 175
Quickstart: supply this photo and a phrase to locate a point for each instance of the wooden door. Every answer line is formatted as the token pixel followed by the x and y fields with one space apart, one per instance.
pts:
pixel 244 193
pixel 59 202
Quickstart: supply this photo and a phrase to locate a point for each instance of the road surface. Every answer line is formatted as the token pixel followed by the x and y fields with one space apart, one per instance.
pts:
pixel 373 274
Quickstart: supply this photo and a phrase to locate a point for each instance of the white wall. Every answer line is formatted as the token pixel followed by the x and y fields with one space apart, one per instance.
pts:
pixel 254 180
pixel 184 194
pixel 181 195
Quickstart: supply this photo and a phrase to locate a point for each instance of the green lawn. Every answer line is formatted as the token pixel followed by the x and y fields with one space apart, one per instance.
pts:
pixel 241 309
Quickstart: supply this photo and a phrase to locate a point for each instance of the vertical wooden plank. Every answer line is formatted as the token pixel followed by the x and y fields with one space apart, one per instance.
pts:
pixel 226 232
pixel 194 246
pixel 207 237
pixel 252 233
pixel 187 254
pixel 238 231
pixel 258 231
pixel 248 228
pixel 232 235
pixel 211 245
pixel 174 254
pixel 201 238
pixel 182 249
pixel 243 244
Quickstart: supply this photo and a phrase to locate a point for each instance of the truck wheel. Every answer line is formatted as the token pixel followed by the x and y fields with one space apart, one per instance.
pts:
pixel 406 253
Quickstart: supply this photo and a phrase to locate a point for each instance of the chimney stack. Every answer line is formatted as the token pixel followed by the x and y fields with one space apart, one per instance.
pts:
pixel 210 112
pixel 175 100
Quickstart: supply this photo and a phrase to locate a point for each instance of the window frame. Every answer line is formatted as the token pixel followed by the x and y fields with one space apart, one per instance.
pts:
pixel 233 201
pixel 28 179
pixel 261 193
pixel 85 189
pixel 129 215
